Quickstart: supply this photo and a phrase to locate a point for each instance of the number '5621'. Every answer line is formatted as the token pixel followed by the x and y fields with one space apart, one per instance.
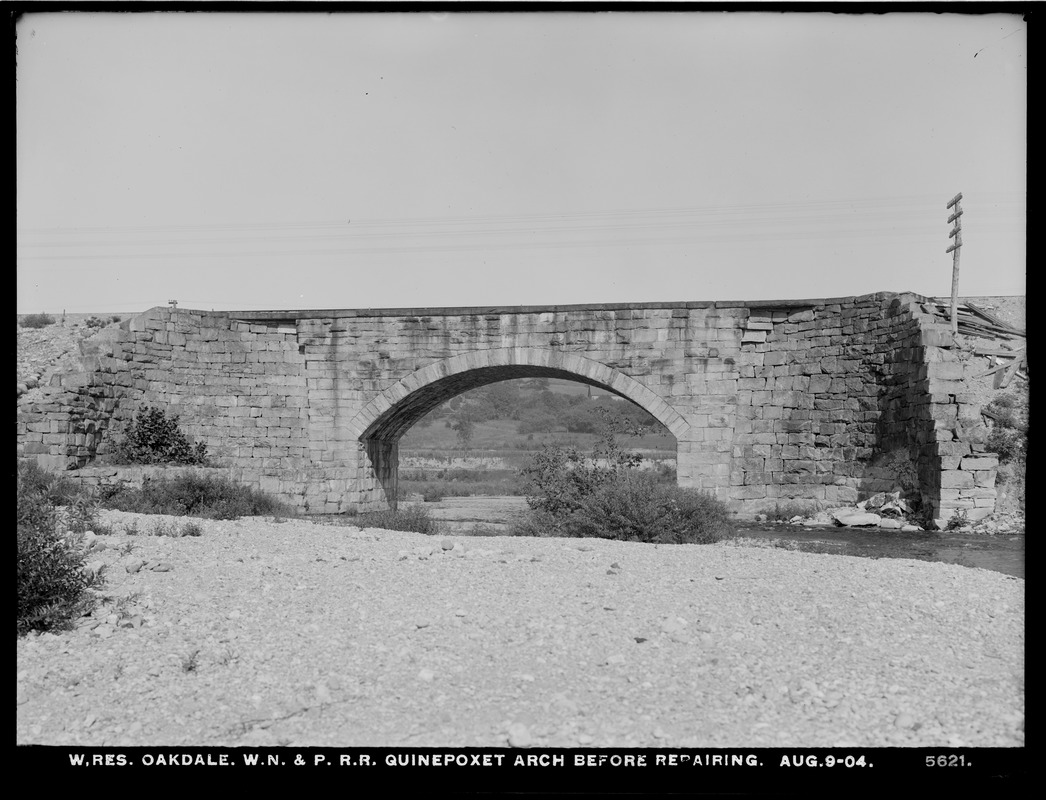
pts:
pixel 946 761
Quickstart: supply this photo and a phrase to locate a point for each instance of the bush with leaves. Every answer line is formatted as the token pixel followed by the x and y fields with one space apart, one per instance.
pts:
pixel 1009 434
pixel 195 495
pixel 155 438
pixel 35 480
pixel 432 494
pixel 52 579
pixel 36 321
pixel 605 495
pixel 634 506
pixel 558 479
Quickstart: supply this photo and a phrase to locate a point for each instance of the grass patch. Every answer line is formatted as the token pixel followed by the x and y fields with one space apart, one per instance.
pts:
pixel 787 511
pixel 34 480
pixel 435 484
pixel 176 531
pixel 36 321
pixel 195 495
pixel 415 519
pixel 434 491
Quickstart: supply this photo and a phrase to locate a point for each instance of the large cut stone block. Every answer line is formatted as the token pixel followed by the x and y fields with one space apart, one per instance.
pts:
pixel 957 479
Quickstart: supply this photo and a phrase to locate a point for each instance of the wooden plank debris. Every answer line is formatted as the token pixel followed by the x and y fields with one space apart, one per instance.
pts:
pixel 1008 375
pixel 982 350
pixel 994 320
pixel 1019 360
pixel 993 370
pixel 974 321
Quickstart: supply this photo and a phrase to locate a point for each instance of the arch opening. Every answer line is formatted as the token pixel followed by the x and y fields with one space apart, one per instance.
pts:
pixel 380 425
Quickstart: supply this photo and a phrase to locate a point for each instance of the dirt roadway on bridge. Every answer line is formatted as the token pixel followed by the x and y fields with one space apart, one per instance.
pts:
pixel 292 633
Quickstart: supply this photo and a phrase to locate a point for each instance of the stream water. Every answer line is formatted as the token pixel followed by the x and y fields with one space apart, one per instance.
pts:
pixel 1002 553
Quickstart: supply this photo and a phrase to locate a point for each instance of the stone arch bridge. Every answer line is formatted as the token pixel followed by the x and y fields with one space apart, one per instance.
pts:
pixel 769 401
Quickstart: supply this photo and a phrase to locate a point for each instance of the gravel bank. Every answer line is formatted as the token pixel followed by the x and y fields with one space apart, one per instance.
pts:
pixel 261 633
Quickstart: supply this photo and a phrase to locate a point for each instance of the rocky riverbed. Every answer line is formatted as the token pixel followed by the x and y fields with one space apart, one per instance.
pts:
pixel 265 632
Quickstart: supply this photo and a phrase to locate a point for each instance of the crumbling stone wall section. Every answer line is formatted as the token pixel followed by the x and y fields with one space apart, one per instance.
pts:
pixel 63 427
pixel 957 474
pixel 234 385
pixel 813 378
pixel 818 400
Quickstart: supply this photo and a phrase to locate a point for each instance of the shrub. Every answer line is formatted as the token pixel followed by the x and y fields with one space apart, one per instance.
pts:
pixel 415 519
pixel 94 322
pixel 52 581
pixel 432 494
pixel 635 507
pixel 539 523
pixel 557 479
pixel 196 495
pixel 155 438
pixel 606 496
pixel 36 321
pixel 34 479
pixel 1009 434
pixel 81 515
pixel 667 473
pixel 1007 443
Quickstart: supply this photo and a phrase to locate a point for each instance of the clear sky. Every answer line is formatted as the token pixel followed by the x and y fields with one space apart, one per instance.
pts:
pixel 312 160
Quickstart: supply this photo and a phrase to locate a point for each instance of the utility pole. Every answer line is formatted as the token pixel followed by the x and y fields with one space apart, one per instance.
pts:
pixel 956 217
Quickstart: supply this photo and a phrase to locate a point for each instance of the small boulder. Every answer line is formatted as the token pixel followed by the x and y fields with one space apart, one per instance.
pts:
pixel 855 519
pixel 875 501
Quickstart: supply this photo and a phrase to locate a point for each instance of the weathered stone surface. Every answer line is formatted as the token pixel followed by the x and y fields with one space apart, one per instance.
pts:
pixel 957 479
pixel 983 461
pixel 766 401
pixel 853 518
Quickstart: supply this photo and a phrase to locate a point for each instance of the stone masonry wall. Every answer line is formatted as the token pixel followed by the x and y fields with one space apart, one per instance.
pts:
pixel 831 406
pixel 770 402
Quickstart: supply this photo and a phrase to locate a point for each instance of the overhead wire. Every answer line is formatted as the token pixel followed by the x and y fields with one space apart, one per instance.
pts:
pixel 812 221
